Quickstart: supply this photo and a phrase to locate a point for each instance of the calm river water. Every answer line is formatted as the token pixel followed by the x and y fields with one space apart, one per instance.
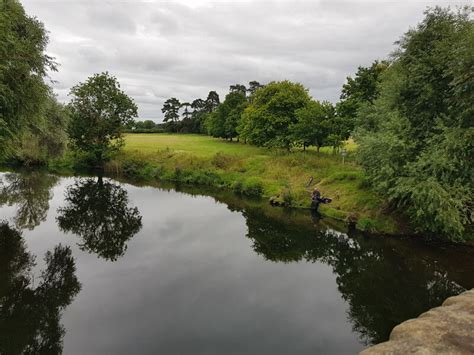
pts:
pixel 94 266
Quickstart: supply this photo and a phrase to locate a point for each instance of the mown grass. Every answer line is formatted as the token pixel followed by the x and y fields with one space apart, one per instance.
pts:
pixel 253 171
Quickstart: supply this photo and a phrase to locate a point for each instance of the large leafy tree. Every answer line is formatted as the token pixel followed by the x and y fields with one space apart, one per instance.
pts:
pixel 267 120
pixel 46 138
pixel 100 110
pixel 313 124
pixel 23 67
pixel 419 145
pixel 223 122
pixel 358 91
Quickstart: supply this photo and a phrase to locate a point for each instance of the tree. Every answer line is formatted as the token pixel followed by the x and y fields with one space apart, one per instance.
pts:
pixel 253 86
pixel 238 88
pixel 236 103
pixel 171 110
pixel 99 112
pixel 312 126
pixel 147 124
pixel 47 138
pixel 198 105
pixel 186 112
pixel 198 116
pixel 267 120
pixel 418 149
pixel 23 67
pixel 99 213
pixel 224 120
pixel 360 90
pixel 212 101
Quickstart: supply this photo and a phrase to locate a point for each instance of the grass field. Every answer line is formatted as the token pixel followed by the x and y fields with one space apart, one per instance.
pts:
pixel 200 145
pixel 253 171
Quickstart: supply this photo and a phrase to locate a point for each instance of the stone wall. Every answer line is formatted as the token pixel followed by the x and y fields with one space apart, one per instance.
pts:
pixel 448 329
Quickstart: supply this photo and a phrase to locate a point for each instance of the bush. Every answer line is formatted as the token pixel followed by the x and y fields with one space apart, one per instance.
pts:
pixel 252 187
pixel 237 186
pixel 207 178
pixel 288 198
pixel 366 224
pixel 136 168
pixel 221 160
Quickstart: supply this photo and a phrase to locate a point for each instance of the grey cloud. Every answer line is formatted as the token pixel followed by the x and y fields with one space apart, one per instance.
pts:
pixel 158 49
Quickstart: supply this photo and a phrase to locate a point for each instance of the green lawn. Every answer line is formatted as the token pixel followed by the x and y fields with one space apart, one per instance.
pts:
pixel 197 159
pixel 199 145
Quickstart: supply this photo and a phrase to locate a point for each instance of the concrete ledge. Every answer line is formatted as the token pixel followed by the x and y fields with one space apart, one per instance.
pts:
pixel 448 329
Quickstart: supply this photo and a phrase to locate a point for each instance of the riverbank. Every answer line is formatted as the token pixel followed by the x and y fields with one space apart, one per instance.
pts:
pixel 286 177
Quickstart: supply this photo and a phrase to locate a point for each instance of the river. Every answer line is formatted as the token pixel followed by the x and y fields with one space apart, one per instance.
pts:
pixel 90 265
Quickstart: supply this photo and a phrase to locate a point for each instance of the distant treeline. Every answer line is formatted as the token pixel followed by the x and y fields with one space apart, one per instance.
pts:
pixel 277 114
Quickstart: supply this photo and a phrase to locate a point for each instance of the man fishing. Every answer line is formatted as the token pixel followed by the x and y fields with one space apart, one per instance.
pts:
pixel 316 199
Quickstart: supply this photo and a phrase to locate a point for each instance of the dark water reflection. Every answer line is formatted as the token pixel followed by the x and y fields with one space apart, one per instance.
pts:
pixel 30 316
pixel 177 272
pixel 98 212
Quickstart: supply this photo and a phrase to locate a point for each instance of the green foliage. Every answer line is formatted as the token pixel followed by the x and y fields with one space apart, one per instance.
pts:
pixel 253 87
pixel 47 140
pixel 313 124
pixel 251 187
pixel 171 111
pixel 99 112
pixel 212 101
pixel 223 121
pixel 417 142
pixel 358 91
pixel 23 66
pixel 147 124
pixel 267 120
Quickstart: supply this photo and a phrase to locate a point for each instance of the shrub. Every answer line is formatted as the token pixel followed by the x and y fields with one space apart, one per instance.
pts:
pixel 136 168
pixel 252 187
pixel 366 224
pixel 221 160
pixel 288 198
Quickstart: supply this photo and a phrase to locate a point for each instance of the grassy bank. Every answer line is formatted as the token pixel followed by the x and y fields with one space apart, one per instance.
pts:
pixel 253 171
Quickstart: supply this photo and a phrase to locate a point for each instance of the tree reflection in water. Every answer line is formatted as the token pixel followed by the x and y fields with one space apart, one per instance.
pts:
pixel 98 212
pixel 29 316
pixel 384 282
pixel 31 192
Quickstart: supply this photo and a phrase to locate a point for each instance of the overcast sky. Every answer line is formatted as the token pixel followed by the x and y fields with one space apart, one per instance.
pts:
pixel 184 49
